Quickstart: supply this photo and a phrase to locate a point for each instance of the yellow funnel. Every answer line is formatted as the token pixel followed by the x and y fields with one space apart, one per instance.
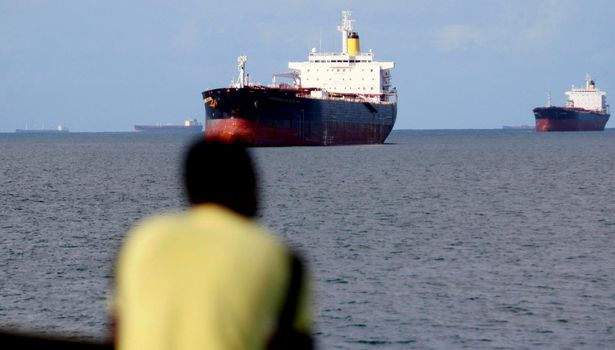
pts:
pixel 354 46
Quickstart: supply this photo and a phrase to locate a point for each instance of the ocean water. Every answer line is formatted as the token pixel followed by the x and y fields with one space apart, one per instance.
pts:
pixel 435 240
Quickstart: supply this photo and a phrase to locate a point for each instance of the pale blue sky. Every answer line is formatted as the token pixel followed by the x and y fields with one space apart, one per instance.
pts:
pixel 97 65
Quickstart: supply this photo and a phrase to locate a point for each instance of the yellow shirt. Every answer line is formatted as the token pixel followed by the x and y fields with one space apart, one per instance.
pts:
pixel 203 279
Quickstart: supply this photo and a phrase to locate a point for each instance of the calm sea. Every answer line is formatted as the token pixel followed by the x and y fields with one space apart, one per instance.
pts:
pixel 435 240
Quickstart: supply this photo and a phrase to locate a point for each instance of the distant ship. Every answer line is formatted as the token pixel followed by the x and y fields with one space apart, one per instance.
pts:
pixel 191 126
pixel 586 110
pixel 517 127
pixel 334 99
pixel 61 129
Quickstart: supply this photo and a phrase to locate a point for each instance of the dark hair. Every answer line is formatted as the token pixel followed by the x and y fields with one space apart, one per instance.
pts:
pixel 223 174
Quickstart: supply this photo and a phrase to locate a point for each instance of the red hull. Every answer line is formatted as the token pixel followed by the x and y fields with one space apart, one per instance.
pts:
pixel 247 132
pixel 255 134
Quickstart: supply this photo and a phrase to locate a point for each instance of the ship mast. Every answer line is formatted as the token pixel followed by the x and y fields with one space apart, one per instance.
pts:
pixel 345 28
pixel 241 66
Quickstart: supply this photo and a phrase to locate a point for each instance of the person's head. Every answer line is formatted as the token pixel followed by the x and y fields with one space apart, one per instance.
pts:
pixel 223 174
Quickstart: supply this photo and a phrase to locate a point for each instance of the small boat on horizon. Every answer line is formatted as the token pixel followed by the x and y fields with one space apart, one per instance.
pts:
pixel 60 129
pixel 517 127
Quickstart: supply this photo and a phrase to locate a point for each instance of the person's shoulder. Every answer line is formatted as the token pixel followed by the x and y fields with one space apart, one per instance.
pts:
pixel 242 230
pixel 219 216
pixel 152 228
pixel 157 222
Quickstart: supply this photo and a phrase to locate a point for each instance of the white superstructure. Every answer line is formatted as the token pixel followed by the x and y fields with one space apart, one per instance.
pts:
pixel 191 122
pixel 348 72
pixel 589 97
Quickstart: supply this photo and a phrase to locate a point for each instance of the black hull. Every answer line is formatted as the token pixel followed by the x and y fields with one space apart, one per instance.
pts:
pixel 569 119
pixel 261 116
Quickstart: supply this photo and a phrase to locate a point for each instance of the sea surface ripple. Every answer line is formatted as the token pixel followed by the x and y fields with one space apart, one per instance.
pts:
pixel 435 240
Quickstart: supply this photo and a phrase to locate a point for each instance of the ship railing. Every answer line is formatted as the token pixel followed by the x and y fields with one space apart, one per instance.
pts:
pixel 372 98
pixel 337 57
pixel 289 75
pixel 338 54
pixel 392 96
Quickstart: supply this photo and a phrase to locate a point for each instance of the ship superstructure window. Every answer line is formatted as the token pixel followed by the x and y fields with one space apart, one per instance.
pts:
pixel 340 70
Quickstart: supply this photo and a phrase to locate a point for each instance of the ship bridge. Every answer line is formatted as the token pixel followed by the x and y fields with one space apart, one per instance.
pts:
pixel 589 97
pixel 348 72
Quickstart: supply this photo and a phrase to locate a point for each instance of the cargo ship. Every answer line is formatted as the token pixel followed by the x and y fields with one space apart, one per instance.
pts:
pixel 518 127
pixel 61 129
pixel 336 98
pixel 585 110
pixel 191 126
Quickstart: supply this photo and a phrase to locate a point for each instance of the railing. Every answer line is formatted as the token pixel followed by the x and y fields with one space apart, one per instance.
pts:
pixel 30 341
pixel 317 54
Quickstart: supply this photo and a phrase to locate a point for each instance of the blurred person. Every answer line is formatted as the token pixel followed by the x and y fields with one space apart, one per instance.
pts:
pixel 210 277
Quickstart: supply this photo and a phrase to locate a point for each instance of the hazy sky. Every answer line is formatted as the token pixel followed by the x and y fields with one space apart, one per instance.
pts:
pixel 105 65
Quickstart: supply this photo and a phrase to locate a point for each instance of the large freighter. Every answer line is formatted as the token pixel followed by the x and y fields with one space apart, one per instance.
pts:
pixel 332 99
pixel 586 110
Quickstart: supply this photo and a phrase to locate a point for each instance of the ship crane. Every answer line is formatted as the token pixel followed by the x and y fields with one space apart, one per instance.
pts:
pixel 241 66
